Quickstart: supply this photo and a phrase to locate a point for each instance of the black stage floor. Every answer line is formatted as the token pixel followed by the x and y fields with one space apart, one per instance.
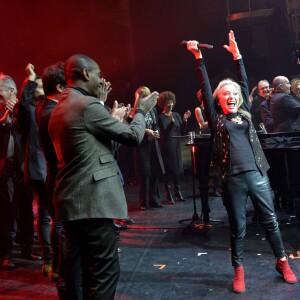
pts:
pixel 161 258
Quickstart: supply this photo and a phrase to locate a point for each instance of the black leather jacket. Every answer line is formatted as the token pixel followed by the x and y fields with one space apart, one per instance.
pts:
pixel 217 122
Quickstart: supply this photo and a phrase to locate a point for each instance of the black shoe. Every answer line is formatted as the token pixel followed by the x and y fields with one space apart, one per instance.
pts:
pixel 30 255
pixel 120 227
pixel 179 197
pixel 156 206
pixel 128 220
pixel 8 263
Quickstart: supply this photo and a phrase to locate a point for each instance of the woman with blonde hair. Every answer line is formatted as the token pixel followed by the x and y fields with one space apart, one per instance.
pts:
pixel 240 162
pixel 148 159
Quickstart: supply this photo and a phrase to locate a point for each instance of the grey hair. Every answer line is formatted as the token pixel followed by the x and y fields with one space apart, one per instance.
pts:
pixel 8 82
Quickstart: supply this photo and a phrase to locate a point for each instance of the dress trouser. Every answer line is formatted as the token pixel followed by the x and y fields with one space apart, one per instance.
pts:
pixel 149 191
pixel 6 214
pixel 95 240
pixel 56 226
pixel 235 192
pixel 44 219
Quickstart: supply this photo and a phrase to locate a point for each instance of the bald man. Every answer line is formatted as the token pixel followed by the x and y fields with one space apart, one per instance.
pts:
pixel 284 108
pixel 88 193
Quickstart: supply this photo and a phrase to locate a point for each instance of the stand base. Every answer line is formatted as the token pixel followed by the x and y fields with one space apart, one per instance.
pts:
pixel 198 223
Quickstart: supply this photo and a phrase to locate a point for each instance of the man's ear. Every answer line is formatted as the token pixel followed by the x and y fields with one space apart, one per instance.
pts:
pixel 59 88
pixel 85 74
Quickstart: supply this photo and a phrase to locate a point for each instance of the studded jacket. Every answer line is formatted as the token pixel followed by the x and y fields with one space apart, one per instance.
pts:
pixel 221 162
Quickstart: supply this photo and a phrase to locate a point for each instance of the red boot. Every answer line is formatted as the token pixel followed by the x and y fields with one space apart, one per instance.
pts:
pixel 282 267
pixel 239 281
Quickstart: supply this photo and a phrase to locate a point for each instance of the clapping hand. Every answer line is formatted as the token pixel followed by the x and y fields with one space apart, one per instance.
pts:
pixel 10 104
pixel 147 103
pixel 119 112
pixel 186 115
pixel 104 89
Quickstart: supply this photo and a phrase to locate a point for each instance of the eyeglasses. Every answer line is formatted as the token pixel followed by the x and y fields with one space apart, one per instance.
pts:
pixel 264 88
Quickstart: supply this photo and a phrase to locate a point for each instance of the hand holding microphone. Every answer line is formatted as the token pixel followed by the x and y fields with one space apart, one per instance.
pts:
pixel 184 44
pixel 192 46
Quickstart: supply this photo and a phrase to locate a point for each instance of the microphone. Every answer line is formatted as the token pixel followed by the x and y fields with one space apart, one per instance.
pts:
pixel 4 117
pixel 200 46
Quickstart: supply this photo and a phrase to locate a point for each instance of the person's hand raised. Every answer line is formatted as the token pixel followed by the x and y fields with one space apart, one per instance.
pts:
pixel 30 72
pixel 192 46
pixel 147 103
pixel 232 47
pixel 104 89
pixel 119 112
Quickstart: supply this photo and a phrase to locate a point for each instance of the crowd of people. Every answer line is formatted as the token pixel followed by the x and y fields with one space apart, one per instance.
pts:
pixel 59 145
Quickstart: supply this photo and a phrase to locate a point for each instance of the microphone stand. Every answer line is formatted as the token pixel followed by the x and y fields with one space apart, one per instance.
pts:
pixel 195 220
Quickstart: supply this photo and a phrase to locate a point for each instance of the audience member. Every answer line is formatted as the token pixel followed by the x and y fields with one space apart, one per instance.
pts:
pixel 12 180
pixel 35 164
pixel 284 108
pixel 53 85
pixel 263 88
pixel 295 88
pixel 88 192
pixel 171 126
pixel 148 159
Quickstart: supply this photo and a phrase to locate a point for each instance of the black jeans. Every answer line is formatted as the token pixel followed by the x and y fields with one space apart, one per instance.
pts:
pixel 95 240
pixel 235 192
pixel 44 220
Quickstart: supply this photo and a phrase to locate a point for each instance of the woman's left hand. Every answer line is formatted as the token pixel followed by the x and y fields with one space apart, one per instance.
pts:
pixel 233 47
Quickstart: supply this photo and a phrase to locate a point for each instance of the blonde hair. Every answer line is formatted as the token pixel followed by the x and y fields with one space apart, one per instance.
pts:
pixel 142 89
pixel 229 81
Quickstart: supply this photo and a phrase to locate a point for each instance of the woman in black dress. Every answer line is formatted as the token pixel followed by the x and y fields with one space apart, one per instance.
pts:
pixel 148 159
pixel 171 126
pixel 240 162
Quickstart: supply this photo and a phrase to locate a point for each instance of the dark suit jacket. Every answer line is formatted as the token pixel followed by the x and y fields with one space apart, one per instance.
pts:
pixel 255 112
pixel 286 113
pixel 6 130
pixel 148 157
pixel 35 164
pixel 87 184
pixel 43 112
pixel 266 115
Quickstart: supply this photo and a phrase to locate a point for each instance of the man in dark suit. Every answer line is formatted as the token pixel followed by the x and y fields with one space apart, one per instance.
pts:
pixel 263 94
pixel 53 84
pixel 88 193
pixel 266 115
pixel 35 164
pixel 8 164
pixel 17 204
pixel 285 108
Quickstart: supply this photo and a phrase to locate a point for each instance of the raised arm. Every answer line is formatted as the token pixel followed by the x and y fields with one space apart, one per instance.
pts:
pixel 242 78
pixel 207 95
